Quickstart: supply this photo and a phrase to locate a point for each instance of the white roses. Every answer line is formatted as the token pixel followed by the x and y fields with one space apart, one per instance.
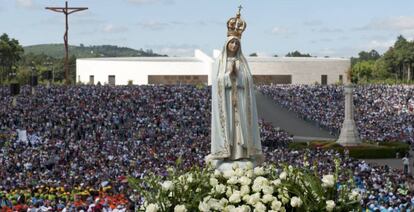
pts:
pixel 296 202
pixel 330 205
pixel 167 186
pixel 283 176
pixel 328 181
pixel 235 197
pixel 152 208
pixel 258 171
pixel 213 181
pixel 180 208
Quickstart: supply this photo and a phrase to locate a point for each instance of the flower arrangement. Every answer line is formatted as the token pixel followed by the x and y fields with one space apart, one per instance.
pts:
pixel 265 188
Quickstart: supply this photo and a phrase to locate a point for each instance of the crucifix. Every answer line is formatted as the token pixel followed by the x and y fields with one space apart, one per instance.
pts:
pixel 240 7
pixel 238 15
pixel 67 11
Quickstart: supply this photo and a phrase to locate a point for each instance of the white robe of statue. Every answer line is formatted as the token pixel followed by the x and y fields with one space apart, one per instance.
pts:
pixel 235 132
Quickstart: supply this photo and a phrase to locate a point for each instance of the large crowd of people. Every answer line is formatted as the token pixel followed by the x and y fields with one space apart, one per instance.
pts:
pixel 72 148
pixel 96 136
pixel 382 112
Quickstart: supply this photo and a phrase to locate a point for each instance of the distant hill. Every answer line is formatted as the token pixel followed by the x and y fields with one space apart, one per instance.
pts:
pixel 58 51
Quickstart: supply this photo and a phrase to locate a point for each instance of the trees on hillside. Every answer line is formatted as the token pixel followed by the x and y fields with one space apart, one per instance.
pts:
pixel 396 63
pixel 297 54
pixel 10 54
pixel 363 70
pixel 371 55
pixel 404 56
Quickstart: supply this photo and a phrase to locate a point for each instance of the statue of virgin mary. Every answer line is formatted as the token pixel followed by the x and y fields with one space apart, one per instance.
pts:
pixel 235 134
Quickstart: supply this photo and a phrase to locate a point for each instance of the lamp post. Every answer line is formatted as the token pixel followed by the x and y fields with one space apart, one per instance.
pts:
pixel 396 78
pixel 12 74
pixel 14 86
pixel 1 64
pixel 49 73
pixel 33 79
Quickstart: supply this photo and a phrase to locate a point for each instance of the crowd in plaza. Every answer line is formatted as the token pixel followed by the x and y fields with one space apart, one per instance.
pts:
pixel 91 138
pixel 72 148
pixel 382 112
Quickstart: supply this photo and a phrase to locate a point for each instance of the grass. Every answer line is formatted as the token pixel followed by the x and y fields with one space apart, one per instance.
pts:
pixel 367 150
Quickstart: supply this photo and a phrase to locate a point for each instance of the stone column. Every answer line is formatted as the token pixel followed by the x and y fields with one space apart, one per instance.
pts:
pixel 349 133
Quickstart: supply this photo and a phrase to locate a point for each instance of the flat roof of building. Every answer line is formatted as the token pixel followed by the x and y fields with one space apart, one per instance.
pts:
pixel 275 59
pixel 145 59
pixel 195 59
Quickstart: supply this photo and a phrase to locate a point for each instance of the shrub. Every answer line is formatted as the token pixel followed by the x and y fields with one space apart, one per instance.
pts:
pixel 367 150
pixel 298 145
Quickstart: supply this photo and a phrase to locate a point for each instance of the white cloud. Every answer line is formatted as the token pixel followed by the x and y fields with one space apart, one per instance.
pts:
pixel 25 3
pixel 280 30
pixel 327 52
pixel 342 52
pixel 264 54
pixel 380 45
pixel 177 51
pixel 408 33
pixel 400 23
pixel 110 28
pixel 348 51
pixel 182 50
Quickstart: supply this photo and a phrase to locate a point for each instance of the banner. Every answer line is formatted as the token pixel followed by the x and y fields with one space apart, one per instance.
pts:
pixel 22 136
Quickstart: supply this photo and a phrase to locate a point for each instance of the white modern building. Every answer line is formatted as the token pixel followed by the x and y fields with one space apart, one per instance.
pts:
pixel 198 69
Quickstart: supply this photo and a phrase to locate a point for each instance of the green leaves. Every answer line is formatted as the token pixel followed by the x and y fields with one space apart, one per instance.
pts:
pixel 10 54
pixel 395 65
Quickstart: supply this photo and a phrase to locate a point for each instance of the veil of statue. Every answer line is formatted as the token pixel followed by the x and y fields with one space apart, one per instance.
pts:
pixel 235 135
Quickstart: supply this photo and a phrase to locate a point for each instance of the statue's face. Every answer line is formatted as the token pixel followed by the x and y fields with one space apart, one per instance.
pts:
pixel 233 46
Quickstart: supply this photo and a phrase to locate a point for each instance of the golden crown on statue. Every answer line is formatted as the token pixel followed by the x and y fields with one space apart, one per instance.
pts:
pixel 236 25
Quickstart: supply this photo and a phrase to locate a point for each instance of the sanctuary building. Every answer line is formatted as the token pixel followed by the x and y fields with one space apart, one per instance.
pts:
pixel 198 70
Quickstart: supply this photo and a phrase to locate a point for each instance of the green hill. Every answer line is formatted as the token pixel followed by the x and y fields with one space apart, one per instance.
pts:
pixel 58 51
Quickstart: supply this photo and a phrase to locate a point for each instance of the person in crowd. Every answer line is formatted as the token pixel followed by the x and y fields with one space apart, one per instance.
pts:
pixel 406 163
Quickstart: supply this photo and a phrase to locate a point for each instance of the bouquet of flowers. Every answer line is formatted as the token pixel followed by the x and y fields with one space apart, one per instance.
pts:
pixel 264 188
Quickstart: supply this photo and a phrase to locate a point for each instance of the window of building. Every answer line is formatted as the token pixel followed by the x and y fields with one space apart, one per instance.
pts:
pixel 111 79
pixel 177 79
pixel 341 80
pixel 324 79
pixel 272 79
pixel 91 79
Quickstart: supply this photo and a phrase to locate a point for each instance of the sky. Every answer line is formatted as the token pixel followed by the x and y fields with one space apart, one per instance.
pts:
pixel 334 28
